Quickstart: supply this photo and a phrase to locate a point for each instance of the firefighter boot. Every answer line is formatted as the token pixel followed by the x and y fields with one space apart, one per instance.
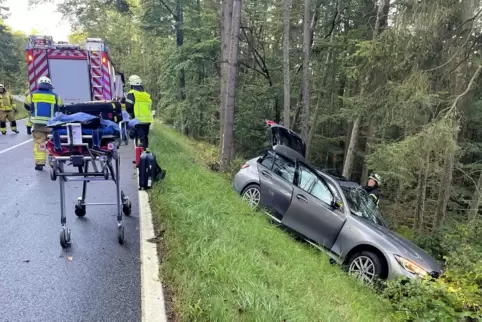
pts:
pixel 39 167
pixel 29 130
pixel 3 128
pixel 13 127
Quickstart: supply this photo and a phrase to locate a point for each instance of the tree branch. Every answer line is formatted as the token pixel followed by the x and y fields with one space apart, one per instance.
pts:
pixel 169 9
pixel 452 108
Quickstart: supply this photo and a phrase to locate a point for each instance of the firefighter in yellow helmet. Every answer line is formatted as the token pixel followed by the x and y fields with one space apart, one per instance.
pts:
pixel 42 105
pixel 7 111
pixel 28 124
pixel 139 106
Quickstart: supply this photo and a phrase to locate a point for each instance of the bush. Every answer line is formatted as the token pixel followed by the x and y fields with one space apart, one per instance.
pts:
pixel 457 294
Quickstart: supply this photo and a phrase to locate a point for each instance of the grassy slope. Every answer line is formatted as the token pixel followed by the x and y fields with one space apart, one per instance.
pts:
pixel 22 113
pixel 225 262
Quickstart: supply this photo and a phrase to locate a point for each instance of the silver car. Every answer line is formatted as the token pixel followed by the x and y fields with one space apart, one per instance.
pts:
pixel 332 214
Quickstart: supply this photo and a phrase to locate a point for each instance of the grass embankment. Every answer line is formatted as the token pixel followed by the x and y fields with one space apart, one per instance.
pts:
pixel 21 112
pixel 224 262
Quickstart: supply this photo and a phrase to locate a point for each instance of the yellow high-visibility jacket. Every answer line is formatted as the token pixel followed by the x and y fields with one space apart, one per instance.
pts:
pixel 6 102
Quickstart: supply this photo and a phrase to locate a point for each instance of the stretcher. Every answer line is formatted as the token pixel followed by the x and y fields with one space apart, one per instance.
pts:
pixel 85 147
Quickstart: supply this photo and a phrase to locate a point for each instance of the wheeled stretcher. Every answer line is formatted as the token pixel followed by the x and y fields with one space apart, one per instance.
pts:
pixel 90 144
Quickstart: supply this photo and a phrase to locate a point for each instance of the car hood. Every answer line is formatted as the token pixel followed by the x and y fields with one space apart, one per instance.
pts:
pixel 406 248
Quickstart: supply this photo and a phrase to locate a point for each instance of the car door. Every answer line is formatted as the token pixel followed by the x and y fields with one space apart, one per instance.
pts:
pixel 311 212
pixel 276 175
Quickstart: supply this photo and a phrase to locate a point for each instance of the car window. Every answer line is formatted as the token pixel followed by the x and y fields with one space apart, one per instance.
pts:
pixel 268 160
pixel 283 167
pixel 310 183
pixel 284 137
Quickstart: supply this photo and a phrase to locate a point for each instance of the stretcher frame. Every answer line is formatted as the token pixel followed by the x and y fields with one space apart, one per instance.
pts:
pixel 106 166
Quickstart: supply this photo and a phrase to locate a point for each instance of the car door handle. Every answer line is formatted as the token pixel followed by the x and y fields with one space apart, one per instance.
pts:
pixel 266 174
pixel 302 198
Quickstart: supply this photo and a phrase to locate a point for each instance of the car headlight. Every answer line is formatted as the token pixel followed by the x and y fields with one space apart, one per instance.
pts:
pixel 411 266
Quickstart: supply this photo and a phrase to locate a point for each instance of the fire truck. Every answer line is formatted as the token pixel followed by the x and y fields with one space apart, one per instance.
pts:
pixel 79 73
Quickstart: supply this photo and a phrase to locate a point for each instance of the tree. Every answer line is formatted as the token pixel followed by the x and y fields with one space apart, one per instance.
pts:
pixel 231 76
pixel 286 63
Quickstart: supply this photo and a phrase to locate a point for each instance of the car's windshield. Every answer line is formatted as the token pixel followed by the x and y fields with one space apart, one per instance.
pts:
pixel 362 205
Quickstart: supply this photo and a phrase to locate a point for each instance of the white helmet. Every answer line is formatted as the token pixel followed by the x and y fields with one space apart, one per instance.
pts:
pixel 44 80
pixel 135 80
pixel 376 178
pixel 1 86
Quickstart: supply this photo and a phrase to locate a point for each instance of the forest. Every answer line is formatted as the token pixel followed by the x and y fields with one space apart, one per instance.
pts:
pixel 12 66
pixel 392 87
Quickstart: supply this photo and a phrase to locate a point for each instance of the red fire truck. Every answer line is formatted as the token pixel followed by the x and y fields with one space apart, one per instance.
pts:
pixel 78 73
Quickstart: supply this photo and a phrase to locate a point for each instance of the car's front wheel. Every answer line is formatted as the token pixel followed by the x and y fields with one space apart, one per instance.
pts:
pixel 252 195
pixel 367 266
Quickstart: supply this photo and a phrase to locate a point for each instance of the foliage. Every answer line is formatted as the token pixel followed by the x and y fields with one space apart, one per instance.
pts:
pixel 457 294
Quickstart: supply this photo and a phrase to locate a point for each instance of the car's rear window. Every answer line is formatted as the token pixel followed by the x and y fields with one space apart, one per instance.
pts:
pixel 284 137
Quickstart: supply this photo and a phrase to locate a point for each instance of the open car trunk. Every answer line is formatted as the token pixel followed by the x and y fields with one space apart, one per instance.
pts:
pixel 282 137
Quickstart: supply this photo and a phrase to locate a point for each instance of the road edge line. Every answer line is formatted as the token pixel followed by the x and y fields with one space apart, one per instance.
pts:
pixel 153 308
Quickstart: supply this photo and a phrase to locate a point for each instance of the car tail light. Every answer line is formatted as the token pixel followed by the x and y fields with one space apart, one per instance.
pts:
pixel 244 166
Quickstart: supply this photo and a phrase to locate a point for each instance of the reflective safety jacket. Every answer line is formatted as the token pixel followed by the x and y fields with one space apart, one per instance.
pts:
pixel 142 105
pixel 6 102
pixel 42 105
pixel 374 193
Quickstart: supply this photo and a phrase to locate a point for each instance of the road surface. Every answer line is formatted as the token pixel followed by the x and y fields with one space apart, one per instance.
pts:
pixel 96 279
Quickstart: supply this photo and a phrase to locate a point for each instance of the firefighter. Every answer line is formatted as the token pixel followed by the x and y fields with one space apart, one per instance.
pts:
pixel 7 111
pixel 372 187
pixel 42 105
pixel 139 106
pixel 28 124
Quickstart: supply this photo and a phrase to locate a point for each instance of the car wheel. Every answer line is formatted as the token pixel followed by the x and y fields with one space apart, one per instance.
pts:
pixel 252 195
pixel 366 266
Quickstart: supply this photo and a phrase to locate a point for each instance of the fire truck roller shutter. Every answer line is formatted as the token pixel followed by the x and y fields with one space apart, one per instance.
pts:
pixel 71 80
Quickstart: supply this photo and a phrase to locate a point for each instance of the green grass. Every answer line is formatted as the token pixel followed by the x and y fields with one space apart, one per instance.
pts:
pixel 21 112
pixel 224 262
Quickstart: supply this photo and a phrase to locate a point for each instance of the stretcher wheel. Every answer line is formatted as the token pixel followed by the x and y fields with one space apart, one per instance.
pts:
pixel 65 238
pixel 120 234
pixel 53 174
pixel 80 208
pixel 127 207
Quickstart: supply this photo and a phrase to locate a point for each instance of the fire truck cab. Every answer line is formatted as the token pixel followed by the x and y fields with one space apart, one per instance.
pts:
pixel 79 73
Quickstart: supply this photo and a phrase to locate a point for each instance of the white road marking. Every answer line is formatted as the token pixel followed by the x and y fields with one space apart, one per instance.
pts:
pixel 15 146
pixel 152 297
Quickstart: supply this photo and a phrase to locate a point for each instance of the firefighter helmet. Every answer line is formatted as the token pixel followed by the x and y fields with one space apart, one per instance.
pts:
pixel 44 80
pixel 135 80
pixel 376 178
pixel 2 86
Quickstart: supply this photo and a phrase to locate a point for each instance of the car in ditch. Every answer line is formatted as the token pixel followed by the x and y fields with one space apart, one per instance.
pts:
pixel 331 213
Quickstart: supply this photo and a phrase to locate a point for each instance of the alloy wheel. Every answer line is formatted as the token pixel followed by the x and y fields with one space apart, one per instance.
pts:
pixel 252 196
pixel 363 268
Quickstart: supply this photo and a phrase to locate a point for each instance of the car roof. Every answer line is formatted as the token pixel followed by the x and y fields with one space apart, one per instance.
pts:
pixel 342 181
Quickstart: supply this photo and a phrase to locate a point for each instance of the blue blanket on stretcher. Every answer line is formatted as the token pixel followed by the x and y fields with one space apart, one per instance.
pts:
pixel 91 125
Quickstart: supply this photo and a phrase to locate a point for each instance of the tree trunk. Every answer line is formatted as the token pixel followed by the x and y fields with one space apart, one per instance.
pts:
pixel 445 187
pixel 305 88
pixel 421 193
pixel 182 76
pixel 380 25
pixel 226 19
pixel 286 64
pixel 476 199
pixel 368 150
pixel 350 154
pixel 228 138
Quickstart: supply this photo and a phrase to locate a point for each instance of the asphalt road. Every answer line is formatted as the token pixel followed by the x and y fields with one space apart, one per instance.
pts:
pixel 96 279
